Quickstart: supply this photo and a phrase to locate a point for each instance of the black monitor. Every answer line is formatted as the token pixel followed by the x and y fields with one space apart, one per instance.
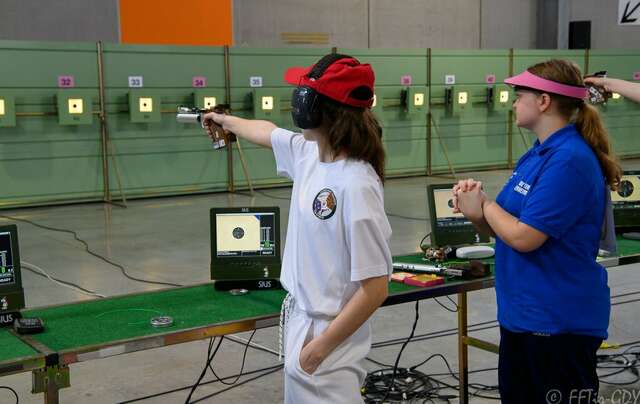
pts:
pixel 626 203
pixel 449 228
pixel 245 244
pixel 11 292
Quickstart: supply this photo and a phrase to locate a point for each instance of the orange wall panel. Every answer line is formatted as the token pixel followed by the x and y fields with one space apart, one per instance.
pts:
pixel 184 22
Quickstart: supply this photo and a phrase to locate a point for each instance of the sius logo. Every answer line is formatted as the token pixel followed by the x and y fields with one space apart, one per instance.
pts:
pixel 522 188
pixel 6 319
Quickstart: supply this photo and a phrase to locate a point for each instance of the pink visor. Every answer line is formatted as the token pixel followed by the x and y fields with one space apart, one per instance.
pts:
pixel 530 80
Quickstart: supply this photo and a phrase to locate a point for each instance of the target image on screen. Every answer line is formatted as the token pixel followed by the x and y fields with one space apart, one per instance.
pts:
pixel 626 203
pixel 7 274
pixel 445 216
pixel 245 235
pixel 628 192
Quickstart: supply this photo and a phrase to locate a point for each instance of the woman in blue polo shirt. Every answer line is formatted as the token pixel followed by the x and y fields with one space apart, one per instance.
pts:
pixel 553 299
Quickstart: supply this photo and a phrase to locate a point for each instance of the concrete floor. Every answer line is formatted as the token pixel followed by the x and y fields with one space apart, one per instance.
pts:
pixel 168 239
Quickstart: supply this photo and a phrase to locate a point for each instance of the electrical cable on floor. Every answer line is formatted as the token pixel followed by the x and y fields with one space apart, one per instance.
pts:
pixel 448 308
pixel 471 327
pixel 211 356
pixel 391 386
pixel 89 251
pixel 397 385
pixel 477 386
pixel 412 384
pixel 626 361
pixel 384 381
pixel 41 272
pixel 279 368
pixel 164 393
pixel 253 345
pixel 418 339
pixel 15 394
pixel 432 334
pixel 244 359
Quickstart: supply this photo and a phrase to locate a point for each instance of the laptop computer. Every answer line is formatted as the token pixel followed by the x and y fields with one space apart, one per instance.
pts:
pixel 626 203
pixel 11 292
pixel 447 227
pixel 245 248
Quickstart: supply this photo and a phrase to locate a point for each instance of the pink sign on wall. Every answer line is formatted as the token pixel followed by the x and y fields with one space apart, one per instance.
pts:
pixel 66 81
pixel 199 81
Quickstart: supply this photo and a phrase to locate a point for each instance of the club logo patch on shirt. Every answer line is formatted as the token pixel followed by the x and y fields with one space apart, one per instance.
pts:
pixel 522 188
pixel 325 204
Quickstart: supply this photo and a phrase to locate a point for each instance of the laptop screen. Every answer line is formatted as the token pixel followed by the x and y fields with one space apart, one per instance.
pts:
pixel 626 203
pixel 447 227
pixel 247 235
pixel 7 265
pixel 628 193
pixel 445 217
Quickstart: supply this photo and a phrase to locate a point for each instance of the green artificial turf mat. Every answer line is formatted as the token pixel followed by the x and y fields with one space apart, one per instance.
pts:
pixel 106 320
pixel 628 247
pixel 12 348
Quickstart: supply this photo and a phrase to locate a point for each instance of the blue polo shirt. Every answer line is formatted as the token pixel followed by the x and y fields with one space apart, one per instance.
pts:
pixel 559 189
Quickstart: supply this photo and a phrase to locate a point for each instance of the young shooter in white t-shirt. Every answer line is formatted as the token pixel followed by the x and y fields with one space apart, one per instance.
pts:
pixel 337 261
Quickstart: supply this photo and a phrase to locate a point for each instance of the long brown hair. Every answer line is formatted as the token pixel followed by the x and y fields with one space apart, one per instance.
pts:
pixel 586 118
pixel 355 131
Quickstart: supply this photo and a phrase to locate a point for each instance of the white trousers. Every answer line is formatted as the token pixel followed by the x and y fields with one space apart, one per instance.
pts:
pixel 339 377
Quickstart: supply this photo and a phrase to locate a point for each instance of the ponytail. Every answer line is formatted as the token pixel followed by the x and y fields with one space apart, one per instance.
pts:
pixel 590 125
pixel 586 117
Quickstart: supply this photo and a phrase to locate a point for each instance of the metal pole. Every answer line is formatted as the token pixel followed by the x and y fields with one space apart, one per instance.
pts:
pixel 429 117
pixel 463 358
pixel 587 54
pixel 510 119
pixel 104 135
pixel 227 87
pixel 245 169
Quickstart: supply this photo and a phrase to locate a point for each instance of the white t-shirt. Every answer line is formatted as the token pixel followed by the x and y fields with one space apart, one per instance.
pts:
pixel 338 232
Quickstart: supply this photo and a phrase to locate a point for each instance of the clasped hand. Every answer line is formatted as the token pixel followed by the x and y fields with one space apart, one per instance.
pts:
pixel 468 198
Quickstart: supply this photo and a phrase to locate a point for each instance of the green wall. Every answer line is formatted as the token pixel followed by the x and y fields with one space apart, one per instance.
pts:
pixel 43 162
pixel 164 157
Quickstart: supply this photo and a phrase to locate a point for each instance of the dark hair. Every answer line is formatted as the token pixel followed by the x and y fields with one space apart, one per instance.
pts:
pixel 355 131
pixel 586 117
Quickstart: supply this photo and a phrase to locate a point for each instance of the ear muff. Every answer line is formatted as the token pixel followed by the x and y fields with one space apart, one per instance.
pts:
pixel 304 108
pixel 305 101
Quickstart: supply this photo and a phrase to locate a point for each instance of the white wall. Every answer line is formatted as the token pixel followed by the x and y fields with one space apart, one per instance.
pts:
pixel 425 24
pixel 59 20
pixel 509 24
pixel 390 23
pixel 261 22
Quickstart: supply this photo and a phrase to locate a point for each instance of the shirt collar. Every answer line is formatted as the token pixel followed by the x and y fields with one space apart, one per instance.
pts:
pixel 555 140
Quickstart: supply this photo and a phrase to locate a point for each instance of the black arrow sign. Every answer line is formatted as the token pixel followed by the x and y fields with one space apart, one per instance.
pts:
pixel 625 16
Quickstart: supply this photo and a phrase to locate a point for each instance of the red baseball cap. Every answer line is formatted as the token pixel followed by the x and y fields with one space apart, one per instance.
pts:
pixel 338 81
